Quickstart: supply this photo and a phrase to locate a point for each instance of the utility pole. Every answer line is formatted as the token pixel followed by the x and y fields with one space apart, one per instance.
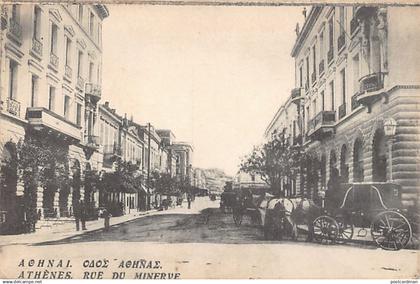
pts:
pixel 148 166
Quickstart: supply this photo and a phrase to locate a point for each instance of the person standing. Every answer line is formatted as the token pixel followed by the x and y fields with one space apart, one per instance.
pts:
pixel 83 214
pixel 189 201
pixel 77 212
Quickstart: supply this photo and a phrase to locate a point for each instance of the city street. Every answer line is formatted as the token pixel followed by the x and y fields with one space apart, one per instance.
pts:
pixel 193 241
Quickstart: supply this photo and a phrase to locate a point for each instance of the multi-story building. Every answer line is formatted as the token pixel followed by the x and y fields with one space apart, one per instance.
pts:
pixel 184 154
pixel 356 80
pixel 51 60
pixel 168 155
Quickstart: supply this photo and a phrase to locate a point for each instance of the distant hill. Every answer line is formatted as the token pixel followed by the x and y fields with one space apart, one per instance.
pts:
pixel 215 179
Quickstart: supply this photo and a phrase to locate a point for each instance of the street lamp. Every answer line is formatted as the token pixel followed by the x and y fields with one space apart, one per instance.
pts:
pixel 390 127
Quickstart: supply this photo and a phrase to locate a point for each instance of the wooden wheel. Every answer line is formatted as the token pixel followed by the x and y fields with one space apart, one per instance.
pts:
pixel 391 230
pixel 345 229
pixel 237 216
pixel 325 230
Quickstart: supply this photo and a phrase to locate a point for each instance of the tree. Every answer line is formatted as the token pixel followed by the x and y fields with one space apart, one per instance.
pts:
pixel 273 161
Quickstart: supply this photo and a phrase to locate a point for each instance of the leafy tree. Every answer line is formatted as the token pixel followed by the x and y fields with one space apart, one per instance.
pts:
pixel 273 161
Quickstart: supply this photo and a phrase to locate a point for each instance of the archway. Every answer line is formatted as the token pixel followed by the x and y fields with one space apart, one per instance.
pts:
pixel 333 165
pixel 358 172
pixel 344 168
pixel 379 162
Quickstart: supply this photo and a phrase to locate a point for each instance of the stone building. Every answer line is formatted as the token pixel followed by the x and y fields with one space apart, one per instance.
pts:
pixel 356 73
pixel 51 61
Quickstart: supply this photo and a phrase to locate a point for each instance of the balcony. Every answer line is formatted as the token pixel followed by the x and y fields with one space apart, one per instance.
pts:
pixel 92 141
pixel 354 26
pixel 330 55
pixel 321 67
pixel 54 60
pixel 111 153
pixel 93 91
pixel 42 119
pixel 370 88
pixel 342 111
pixel 341 42
pixel 313 77
pixel 296 95
pixel 354 102
pixel 68 72
pixel 322 125
pixel 37 47
pixel 80 83
pixel 15 30
pixel 13 106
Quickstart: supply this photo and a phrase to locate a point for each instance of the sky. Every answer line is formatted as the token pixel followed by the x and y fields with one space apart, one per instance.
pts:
pixel 215 76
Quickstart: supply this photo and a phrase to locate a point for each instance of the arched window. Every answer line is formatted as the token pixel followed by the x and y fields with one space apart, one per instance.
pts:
pixel 344 168
pixel 358 173
pixel 379 156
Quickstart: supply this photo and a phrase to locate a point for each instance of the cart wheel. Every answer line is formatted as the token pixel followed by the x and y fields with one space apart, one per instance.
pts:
pixel 237 217
pixel 325 230
pixel 345 230
pixel 391 230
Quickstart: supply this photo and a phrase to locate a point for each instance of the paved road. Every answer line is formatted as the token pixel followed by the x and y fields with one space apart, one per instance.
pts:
pixel 204 243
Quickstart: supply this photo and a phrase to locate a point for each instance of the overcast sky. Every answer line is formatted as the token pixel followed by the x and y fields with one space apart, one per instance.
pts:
pixel 215 76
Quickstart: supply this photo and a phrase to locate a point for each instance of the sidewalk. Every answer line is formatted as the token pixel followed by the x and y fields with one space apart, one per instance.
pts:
pixel 67 229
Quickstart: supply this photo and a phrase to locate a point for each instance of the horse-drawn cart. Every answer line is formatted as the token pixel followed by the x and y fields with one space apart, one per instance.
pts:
pixel 366 206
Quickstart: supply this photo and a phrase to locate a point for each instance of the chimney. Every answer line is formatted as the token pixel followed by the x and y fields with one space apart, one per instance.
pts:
pixel 107 104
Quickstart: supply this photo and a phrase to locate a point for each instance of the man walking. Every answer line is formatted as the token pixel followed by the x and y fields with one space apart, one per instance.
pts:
pixel 76 210
pixel 83 214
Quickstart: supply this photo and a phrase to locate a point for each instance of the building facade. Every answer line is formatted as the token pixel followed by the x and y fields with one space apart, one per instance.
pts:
pixel 355 70
pixel 51 60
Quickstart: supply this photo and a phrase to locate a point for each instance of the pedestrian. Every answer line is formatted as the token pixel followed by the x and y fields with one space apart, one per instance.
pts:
pixel 189 201
pixel 83 214
pixel 107 216
pixel 76 211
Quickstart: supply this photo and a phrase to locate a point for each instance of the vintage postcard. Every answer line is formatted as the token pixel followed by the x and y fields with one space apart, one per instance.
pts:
pixel 209 140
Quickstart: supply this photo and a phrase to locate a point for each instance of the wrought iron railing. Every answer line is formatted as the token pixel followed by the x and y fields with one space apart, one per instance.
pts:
pixel 296 93
pixel 341 41
pixel 15 28
pixel 93 89
pixel 324 118
pixel 13 106
pixel 321 67
pixel 354 101
pixel 342 111
pixel 54 60
pixel 372 82
pixel 37 46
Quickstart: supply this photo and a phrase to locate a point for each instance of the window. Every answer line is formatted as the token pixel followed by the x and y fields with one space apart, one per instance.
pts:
pixel 91 66
pixel 331 34
pixel 51 98
pixel 13 69
pixel 314 106
pixel 91 23
pixel 342 19
pixel 37 23
pixel 332 95
pixel 15 12
pixel 343 86
pixel 66 107
pixel 322 100
pixel 321 46
pixel 54 31
pixel 308 113
pixel 307 71
pixel 314 61
pixel 301 76
pixel 356 74
pixel 78 114
pixel 34 91
pixel 79 63
pixel 68 51
pixel 81 14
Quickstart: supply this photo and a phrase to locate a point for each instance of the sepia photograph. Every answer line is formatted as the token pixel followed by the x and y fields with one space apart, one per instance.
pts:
pixel 164 140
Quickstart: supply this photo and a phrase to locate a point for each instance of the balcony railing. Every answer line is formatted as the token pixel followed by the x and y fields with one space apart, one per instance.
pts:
pixel 80 82
pixel 322 119
pixel 330 55
pixel 13 106
pixel 321 67
pixel 92 141
pixel 15 29
pixel 313 77
pixel 341 41
pixel 342 111
pixel 37 46
pixel 354 25
pixel 54 60
pixel 354 102
pixel 372 82
pixel 42 118
pixel 68 72
pixel 93 90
